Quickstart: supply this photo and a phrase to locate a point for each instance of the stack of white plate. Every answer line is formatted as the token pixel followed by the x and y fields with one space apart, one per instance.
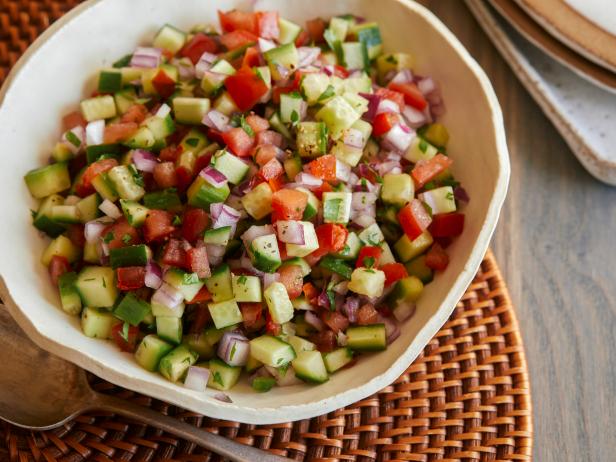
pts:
pixel 564 53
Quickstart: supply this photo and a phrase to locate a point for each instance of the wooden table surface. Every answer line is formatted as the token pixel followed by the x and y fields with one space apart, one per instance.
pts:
pixel 556 246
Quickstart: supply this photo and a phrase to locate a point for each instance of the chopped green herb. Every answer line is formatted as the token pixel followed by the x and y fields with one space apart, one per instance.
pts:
pixel 127 238
pixel 108 237
pixel 218 378
pixel 124 333
pixel 328 93
pixel 123 62
pixel 192 142
pixel 137 178
pixel 177 221
pixel 369 262
pixel 242 279
pixel 449 196
pixel 73 139
pixel 294 117
pixel 423 145
pixel 391 59
pixel 232 353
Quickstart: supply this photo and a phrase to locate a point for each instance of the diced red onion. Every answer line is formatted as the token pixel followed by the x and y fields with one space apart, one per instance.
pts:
pixel 95 132
pixel 414 117
pixel 227 216
pixel 426 85
pixel 341 339
pixel 168 296
pixel 110 209
pixel 213 176
pixel 308 181
pixel 204 64
pixel 220 396
pixel 153 275
pixel 254 232
pixel 290 232
pixel 403 76
pixel 362 220
pixel 398 138
pixel 362 200
pixel 269 279
pixel 314 321
pixel 353 138
pixel 215 253
pixel 79 133
pixel 234 349
pixel 343 171
pixel 342 287
pixel 196 378
pixel 387 106
pixel 144 160
pixel 374 102
pixel 329 70
pixel 404 311
pixel 392 330
pixel 383 168
pixel 163 111
pixel 217 120
pixel 186 69
pixel 93 230
pixel 349 309
pixel 437 110
pixel 246 264
pixel 307 56
pixel 393 156
pixel 266 45
pixel 283 71
pixel 146 57
pixel 460 194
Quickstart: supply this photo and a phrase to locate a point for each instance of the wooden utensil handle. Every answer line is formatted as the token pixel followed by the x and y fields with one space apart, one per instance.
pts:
pixel 219 444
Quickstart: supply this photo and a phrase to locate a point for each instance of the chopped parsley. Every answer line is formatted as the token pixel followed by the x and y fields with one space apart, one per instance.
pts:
pixel 242 279
pixel 218 378
pixel 108 237
pixel 294 117
pixel 124 332
pixel 423 146
pixel 449 196
pixel 233 349
pixel 328 93
pixel 137 178
pixel 127 238
pixel 73 139
pixel 177 221
pixel 369 262
pixel 391 59
pixel 192 142
pixel 240 121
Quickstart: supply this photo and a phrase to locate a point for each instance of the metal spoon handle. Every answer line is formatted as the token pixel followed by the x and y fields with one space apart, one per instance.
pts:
pixel 219 444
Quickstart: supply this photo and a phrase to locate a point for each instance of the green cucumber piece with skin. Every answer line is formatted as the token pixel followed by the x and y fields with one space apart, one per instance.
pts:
pixel 219 284
pixel 337 207
pixel 367 281
pixel 225 313
pixel 217 236
pixel 63 247
pixel 418 268
pixel 225 104
pixel 142 139
pixel 62 153
pixel 96 286
pixel 309 367
pixel 134 212
pixel 292 166
pixel 230 166
pixel 311 242
pixel 104 187
pixel 246 288
pixel 88 207
pixel 290 107
pixel 393 62
pixel 279 126
pixel 150 351
pixel 132 255
pixel 258 202
pixel 355 55
pixel 337 359
pixel 125 182
pixel 110 81
pixel 263 384
pixel 372 235
pixel 194 140
pixel 351 248
pixel 289 31
pixel 252 364
pixel 301 303
pixel 90 253
pixel 190 110
pixel 174 365
pixel 162 310
pixel 188 284
pixel 222 376
pixel 43 220
pixel 265 254
pixel 302 328
pixel 202 194
pixel 312 139
pixel 300 344
pixel 407 249
pixel 65 214
pixel 314 86
pixel 199 343
pixel 69 297
pixel 170 38
pixel 367 338
pixel 336 265
pixel 440 200
pixel 285 56
pixel 161 127
pixel 51 179
pixel 278 303
pixel 338 114
pixel 407 289
pixel 271 351
pixel 167 199
pixel 386 255
pixel 124 99
pixel 398 189
pixel 297 261
pixel 94 152
pixel 370 35
pixel 132 309
pixel 313 205
pixel 169 328
pixel 97 322
pixel 214 79
pixel 97 108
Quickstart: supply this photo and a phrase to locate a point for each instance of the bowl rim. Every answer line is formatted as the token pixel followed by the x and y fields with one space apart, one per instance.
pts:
pixel 285 413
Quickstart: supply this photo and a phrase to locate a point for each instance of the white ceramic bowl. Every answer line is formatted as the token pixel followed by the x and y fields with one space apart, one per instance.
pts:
pixel 59 69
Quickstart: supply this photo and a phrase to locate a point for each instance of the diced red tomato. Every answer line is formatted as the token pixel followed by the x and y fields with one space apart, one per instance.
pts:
pixel 269 137
pixel 340 71
pixel 368 252
pixel 292 278
pixel 315 28
pixel 185 177
pixel 157 225
pixel 197 262
pixel 412 95
pixel 121 234
pixel 335 321
pixel 203 161
pixel 391 95
pixel 119 132
pixel 271 327
pixel 325 187
pixel 237 20
pixel 201 318
pixel 135 114
pixel 130 277
pixel 384 122
pixel 303 38
pixel 325 341
pixel 447 225
pixel 84 187
pixel 75 235
pixel 437 258
pixel 237 39
pixel 289 204
pixel 414 219
pixel 194 223
pixel 251 58
pixel 324 167
pixel 174 254
pixel 258 124
pixel 130 343
pixel 271 170
pixel 164 85
pixel 252 314
pixel 164 175
pixel 332 237
pixel 246 88
pixel 57 267
pixel 170 153
pixel 393 272
pixel 367 314
pixel 215 136
pixel 263 154
pixel 203 295
pixel 277 91
pixel 310 291
pixel 72 120
pixel 426 170
pixel 199 44
pixel 238 141
pixel 267 24
pixel 277 183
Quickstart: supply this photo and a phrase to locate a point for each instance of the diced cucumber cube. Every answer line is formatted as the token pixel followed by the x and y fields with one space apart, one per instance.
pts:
pixel 367 338
pixel 313 205
pixel 337 359
pixel 125 181
pixel 283 56
pixel 246 288
pixel 217 236
pixel 372 235
pixel 278 302
pixel 88 207
pixel 297 261
pixel 386 255
pixel 367 281
pixel 338 114
pixel 258 202
pixel 225 104
pixel 214 79
pixel 219 284
pixel 99 107
pixel 417 267
pixel 202 194
pixel 110 81
pixel 222 376
pixel 200 344
pixel 159 309
pixel 263 384
pixel 288 31
pixel 132 255
pixel 65 214
pixel 309 366
pixel 225 313
pixel 62 247
pixel 393 62
pixel 142 139
pixel 90 253
pixel 407 289
pixel 440 200
pixel 97 322
pixel 314 87
pixel 230 166
pixel 369 34
pixel 355 55
pixel 134 212
pixel 42 219
pixel 174 365
pixel 167 199
pixel 188 284
pixel 300 344
pixel 311 242
pixel 169 38
pixel 271 351
pixel 291 107
pixel 69 297
pixel 132 309
pixel 169 328
pixel 420 149
pixel 190 110
pixel 437 134
pixel 104 187
pixel 311 139
pixel 279 126
pixel 48 180
pixel 150 351
pixel 96 286
pixel 265 254
pixel 407 249
pixel 194 140
pixel 398 189
pixel 337 207
pixel 351 247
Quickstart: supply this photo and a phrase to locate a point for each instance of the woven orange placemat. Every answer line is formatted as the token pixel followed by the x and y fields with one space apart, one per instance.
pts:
pixel 466 398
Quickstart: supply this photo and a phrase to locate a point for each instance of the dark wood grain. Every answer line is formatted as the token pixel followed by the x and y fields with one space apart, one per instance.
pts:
pixel 556 245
